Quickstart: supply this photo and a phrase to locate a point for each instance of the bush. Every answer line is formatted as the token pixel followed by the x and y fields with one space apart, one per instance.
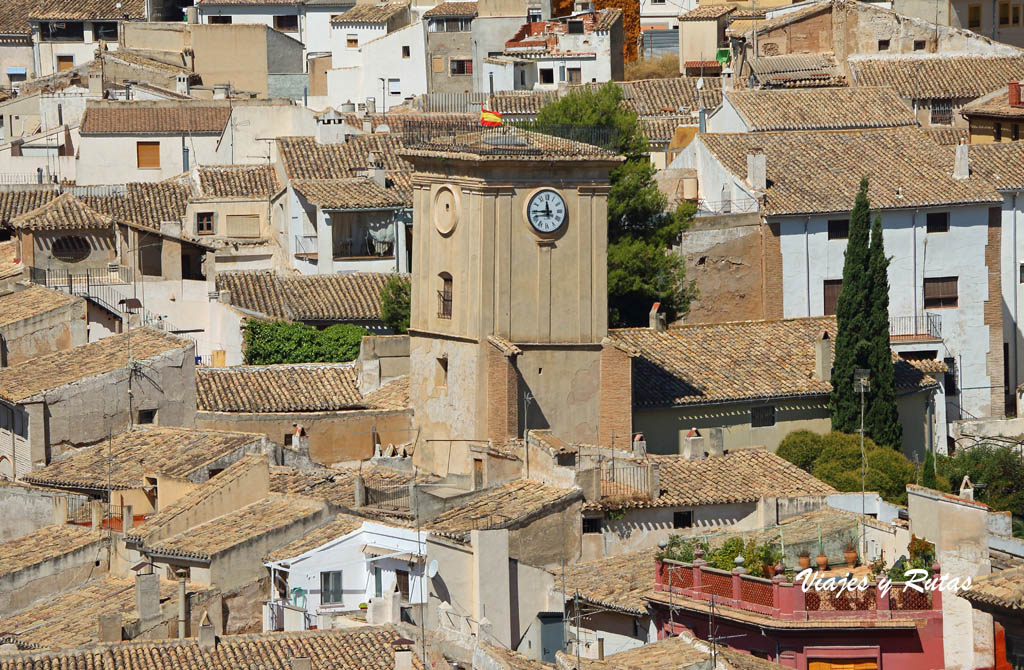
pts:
pixel 999 468
pixel 396 303
pixel 275 342
pixel 801 448
pixel 755 556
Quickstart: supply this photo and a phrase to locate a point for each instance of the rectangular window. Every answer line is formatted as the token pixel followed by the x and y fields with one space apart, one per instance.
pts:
pixel 682 519
pixel 204 223
pixel 352 41
pixel 287 23
pixel 62 31
pixel 406 52
pixel 243 225
pixel 938 222
pixel 330 587
pixel 575 75
pixel 1004 13
pixel 220 20
pixel 762 417
pixel 592 524
pixel 104 30
pixel 547 75
pixel 949 380
pixel 940 292
pixel 534 16
pixel 919 45
pixel 65 63
pixel 1022 273
pixel 394 87
pixel 997 132
pixel 378 583
pixel 838 229
pixel 438 64
pixel 831 288
pixel 1015 133
pixel 461 66
pixel 444 297
pixel 147 155
pixel 942 113
pixel 1016 15
pixel 402 577
pixel 973 16
pixel 575 27
pixel 147 416
pixel 883 45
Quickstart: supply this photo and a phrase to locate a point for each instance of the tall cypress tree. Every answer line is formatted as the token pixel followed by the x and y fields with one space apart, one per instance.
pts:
pixel 882 419
pixel 852 318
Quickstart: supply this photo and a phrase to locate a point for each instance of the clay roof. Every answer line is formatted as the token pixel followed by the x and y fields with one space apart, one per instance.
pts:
pixel 351 193
pixel 821 108
pixel 30 378
pixel 707 13
pixel 813 172
pixel 178 452
pixel 478 143
pixel 238 181
pixel 607 18
pixel 797 71
pixel 88 9
pixel 342 525
pixel 999 163
pixel 792 17
pixel 353 296
pixel 160 117
pixel 336 485
pixel 742 476
pixel 363 648
pixel 658 97
pixel 947 136
pixel 31 301
pixel 369 13
pixel 466 9
pixel 392 395
pixel 526 102
pixel 246 523
pixel 669 654
pixel 663 129
pixel 306 387
pixel 42 545
pixel 65 212
pixel 69 620
pixel 14 18
pixel 928 77
pixel 14 203
pixel 618 582
pixel 305 158
pixel 503 506
pixel 1004 589
pixel 502 658
pixel 10 264
pixel 996 104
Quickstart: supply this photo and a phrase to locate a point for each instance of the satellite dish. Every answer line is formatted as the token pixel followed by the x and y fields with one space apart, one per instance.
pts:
pixel 432 569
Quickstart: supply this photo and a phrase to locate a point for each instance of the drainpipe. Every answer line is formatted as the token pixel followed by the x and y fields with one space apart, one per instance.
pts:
pixel 181 604
pixel 913 229
pixel 807 261
pixel 1015 279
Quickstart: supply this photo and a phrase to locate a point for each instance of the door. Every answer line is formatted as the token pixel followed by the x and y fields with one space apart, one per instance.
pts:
pixel 378 583
pixel 831 288
pixel 844 664
pixel 478 474
pixel 551 629
pixel 65 63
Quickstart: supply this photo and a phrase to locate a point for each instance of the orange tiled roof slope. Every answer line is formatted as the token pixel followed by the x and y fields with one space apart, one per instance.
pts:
pixel 465 9
pixel 668 654
pixel 1003 590
pixel 207 117
pixel 646 97
pixel 31 301
pixel 821 108
pixel 337 485
pixel 65 212
pixel 907 169
pixel 947 136
pixel 369 13
pixel 42 545
pixel 929 77
pixel 305 158
pixel 364 648
pixel 707 13
pixel 502 506
pixel 238 181
pixel 32 377
pixel 392 395
pixel 996 104
pixel 173 451
pixel 342 525
pixel 353 296
pixel 88 9
pixel 999 163
pixel 14 18
pixel 305 387
pixel 618 582
pixel 350 193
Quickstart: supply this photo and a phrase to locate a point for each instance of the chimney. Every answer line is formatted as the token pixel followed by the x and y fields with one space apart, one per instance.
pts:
pixel 656 320
pixel 224 297
pixel 1015 94
pixel 207 634
pixel 182 604
pixel 96 84
pixel 375 170
pixel 220 91
pixel 371 106
pixel 367 126
pixel 147 596
pixel 192 15
pixel 823 357
pixel 967 489
pixel 300 663
pixel 961 162
pixel 600 648
pixel 181 81
pixel 757 169
pixel 403 653
pixel 110 627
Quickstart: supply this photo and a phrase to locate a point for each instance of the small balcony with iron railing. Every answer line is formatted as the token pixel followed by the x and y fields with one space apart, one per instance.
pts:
pixel 444 303
pixel 923 327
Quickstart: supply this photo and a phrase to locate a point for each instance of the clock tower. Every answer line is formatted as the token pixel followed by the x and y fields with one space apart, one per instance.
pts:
pixel 509 289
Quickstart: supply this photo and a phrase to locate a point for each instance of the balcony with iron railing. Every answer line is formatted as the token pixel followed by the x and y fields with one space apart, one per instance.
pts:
pixel 444 303
pixel 921 327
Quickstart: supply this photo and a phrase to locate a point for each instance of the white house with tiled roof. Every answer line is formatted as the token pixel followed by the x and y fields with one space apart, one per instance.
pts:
pixel 308 21
pixel 66 34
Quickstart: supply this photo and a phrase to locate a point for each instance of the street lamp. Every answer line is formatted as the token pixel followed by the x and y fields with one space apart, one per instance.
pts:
pixel 862 383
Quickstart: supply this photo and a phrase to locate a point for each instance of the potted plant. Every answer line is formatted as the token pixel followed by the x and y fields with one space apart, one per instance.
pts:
pixel 804 558
pixel 822 559
pixel 850 554
pixel 362 606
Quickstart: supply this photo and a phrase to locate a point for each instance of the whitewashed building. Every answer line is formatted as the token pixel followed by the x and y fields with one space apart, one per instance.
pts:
pixel 65 35
pixel 389 68
pixel 308 21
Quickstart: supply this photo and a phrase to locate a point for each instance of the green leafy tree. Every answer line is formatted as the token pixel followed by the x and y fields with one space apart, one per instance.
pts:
pixel 928 471
pixel 801 448
pixel 275 342
pixel 641 228
pixel 396 303
pixel 1000 469
pixel 882 418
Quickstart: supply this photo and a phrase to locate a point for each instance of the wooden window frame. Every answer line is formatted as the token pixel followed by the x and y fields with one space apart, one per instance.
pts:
pixel 138 156
pixel 825 286
pixel 972 25
pixel 941 296
pixel 1004 20
pixel 200 224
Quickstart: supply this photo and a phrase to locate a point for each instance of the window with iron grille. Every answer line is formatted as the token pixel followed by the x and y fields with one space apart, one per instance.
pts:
pixel 592 524
pixel 461 66
pixel 938 222
pixel 942 113
pixel 940 292
pixel 444 297
pixel 762 417
pixel 682 519
pixel 838 229
pixel 330 587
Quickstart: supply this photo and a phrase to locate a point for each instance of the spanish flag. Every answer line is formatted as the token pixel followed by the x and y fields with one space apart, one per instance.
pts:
pixel 489 118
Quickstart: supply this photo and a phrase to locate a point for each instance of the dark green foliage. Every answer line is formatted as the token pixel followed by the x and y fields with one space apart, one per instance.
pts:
pixel 272 342
pixel 755 556
pixel 999 468
pixel 641 270
pixel 396 303
pixel 801 448
pixel 882 418
pixel 928 471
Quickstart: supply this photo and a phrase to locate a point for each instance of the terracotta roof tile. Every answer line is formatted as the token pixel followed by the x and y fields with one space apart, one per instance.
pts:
pixel 502 658
pixel 65 212
pixel 1003 589
pixel 351 193
pixel 308 387
pixel 794 16
pixel 14 18
pixel 707 12
pixel 662 128
pixel 659 97
pixel 238 181
pixel 906 169
pixel 949 136
pixel 208 117
pixel 393 395
pixel 669 654
pixel 618 582
pixel 179 452
pixel 929 77
pixel 32 377
pixel 89 9
pixel 351 296
pixel 501 507
pixel 31 301
pixel 305 158
pixel 342 525
pixel 14 203
pixel 521 103
pixel 999 163
pixel 467 9
pixel 821 108
pixel 797 71
pixel 42 545
pixel 363 648
pixel 336 485
pixel 369 13
pixel 607 18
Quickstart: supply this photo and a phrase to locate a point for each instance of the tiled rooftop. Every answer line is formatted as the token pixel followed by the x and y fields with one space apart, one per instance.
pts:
pixel 821 108
pixel 207 117
pixel 369 13
pixel 31 301
pixel 246 523
pixel 350 193
pixel 65 212
pixel 88 9
pixel 306 387
pixel 999 163
pixel 500 143
pixel 42 545
pixel 342 525
pixel 1004 590
pixel 363 648
pixel 797 71
pixel 452 9
pixel 392 395
pixel 669 654
pixel 929 77
pixel 618 582
pixel 996 105
pixel 336 485
pixel 793 16
pixel 238 181
pixel 707 13
pixel 813 172
pixel 353 296
pixel 32 377
pixel 173 451
pixel 947 136
pixel 14 18
pixel 501 507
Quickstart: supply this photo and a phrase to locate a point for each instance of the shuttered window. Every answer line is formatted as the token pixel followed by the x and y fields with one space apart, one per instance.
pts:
pixel 65 63
pixel 438 63
pixel 940 292
pixel 148 155
pixel 832 287
pixel 243 225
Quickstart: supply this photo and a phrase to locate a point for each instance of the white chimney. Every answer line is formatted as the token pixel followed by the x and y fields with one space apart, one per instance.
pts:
pixel 181 81
pixel 967 489
pixel 757 169
pixel 961 162
pixel 656 320
pixel 823 357
pixel 403 653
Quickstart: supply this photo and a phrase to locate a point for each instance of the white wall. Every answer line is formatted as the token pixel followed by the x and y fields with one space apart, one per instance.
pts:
pixel 1012 257
pixel 592 68
pixel 343 55
pixel 376 58
pixel 112 159
pixel 664 13
pixel 314 21
pixel 726 119
pixel 47 52
pixel 240 141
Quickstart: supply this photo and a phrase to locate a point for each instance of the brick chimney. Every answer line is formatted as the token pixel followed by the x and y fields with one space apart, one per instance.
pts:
pixel 656 320
pixel 823 357
pixel 1015 94
pixel 961 162
pixel 757 169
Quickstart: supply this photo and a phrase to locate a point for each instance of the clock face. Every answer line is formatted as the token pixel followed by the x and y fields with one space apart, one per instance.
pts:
pixel 546 211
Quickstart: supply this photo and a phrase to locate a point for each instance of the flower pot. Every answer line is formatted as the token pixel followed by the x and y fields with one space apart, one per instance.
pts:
pixel 851 558
pixel 822 560
pixel 768 571
pixel 805 562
